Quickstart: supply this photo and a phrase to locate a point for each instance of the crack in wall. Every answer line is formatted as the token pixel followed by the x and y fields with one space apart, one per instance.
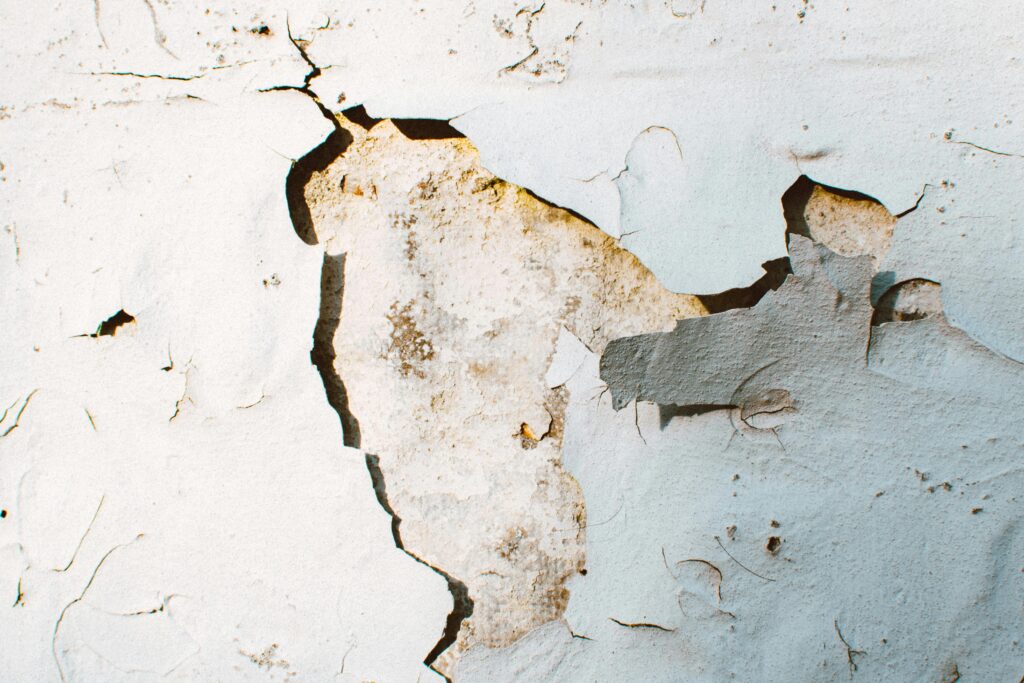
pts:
pixel 322 355
pixel 17 416
pixel 81 596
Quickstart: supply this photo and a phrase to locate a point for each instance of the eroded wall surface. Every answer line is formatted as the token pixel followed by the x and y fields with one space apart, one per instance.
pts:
pixel 511 341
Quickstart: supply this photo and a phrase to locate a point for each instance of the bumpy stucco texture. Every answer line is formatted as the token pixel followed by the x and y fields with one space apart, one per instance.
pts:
pixel 779 519
pixel 288 392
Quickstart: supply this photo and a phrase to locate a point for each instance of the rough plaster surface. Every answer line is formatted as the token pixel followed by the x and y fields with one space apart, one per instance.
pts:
pixel 810 531
pixel 821 486
pixel 456 288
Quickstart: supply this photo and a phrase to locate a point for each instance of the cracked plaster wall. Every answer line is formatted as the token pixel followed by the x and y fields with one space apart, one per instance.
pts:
pixel 759 428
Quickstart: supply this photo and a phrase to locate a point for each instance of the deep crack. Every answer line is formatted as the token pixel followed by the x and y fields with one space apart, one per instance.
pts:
pixel 332 285
pixel 462 606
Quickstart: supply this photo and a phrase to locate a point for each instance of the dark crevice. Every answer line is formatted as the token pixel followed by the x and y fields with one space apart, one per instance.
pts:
pixel 794 205
pixel 561 208
pixel 463 604
pixel 302 170
pixel 413 129
pixel 794 202
pixel 110 326
pixel 332 289
pixel 669 411
pixel 332 286
pixel 627 624
pixel 427 129
pixel 775 272
pixel 908 300
pixel 316 160
pixel 300 45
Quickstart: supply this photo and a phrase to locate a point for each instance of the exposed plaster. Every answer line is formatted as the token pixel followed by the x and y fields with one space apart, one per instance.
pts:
pixel 443 270
pixel 844 423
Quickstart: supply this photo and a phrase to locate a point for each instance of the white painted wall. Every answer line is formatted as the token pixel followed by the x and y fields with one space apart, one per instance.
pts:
pixel 178 502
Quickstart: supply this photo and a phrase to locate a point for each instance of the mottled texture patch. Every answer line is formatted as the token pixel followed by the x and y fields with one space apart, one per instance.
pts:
pixel 408 348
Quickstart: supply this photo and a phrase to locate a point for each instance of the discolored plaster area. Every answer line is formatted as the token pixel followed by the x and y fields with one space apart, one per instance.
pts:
pixel 848 223
pixel 457 287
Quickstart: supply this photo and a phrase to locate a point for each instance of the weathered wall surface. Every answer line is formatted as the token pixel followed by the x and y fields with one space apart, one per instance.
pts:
pixel 290 392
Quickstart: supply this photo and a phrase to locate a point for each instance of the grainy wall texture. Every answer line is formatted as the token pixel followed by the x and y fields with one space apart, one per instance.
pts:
pixel 520 341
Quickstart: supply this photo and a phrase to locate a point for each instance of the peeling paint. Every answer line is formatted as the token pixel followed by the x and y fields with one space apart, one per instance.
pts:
pixel 659 340
pixel 456 288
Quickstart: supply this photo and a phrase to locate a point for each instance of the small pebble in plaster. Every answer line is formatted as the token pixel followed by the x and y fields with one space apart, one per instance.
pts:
pixel 272 281
pixel 3 514
pixel 527 437
pixel 775 524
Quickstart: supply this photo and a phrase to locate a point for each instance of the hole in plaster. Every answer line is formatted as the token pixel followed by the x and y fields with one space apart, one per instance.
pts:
pixel 849 223
pixel 431 238
pixel 909 300
pixel 110 326
pixel 358 116
pixel 773 545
